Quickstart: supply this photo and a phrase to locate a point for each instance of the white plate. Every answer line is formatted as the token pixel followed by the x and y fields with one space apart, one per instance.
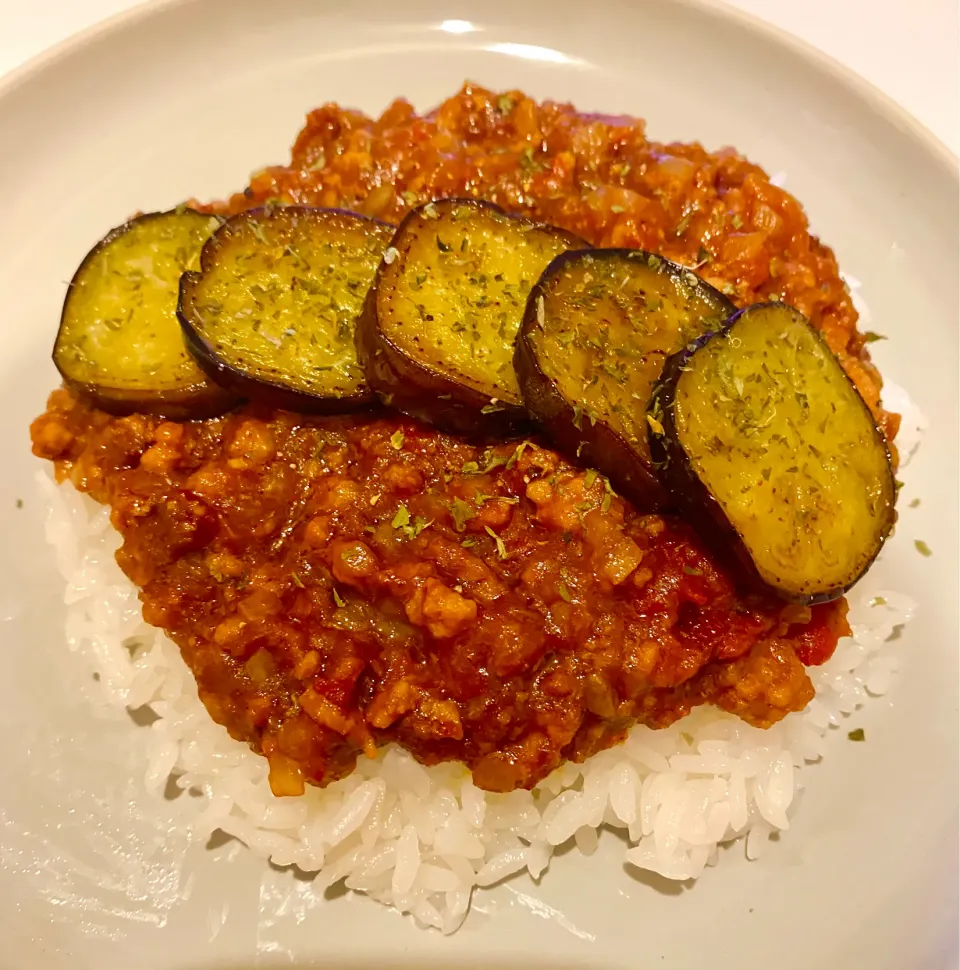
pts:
pixel 186 98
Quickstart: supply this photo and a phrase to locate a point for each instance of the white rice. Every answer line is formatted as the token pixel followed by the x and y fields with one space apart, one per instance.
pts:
pixel 424 839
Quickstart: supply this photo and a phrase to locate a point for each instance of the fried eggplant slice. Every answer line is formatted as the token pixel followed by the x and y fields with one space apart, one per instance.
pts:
pixel 598 327
pixel 767 446
pixel 438 330
pixel 271 313
pixel 119 343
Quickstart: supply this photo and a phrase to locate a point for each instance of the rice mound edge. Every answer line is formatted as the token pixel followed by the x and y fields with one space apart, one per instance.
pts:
pixel 423 839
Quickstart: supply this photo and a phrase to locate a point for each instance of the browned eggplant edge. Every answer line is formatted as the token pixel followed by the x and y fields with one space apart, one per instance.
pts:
pixel 197 402
pixel 700 509
pixel 267 392
pixel 419 390
pixel 591 445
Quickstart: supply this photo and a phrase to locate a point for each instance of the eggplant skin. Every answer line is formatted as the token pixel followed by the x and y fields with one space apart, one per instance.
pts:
pixel 567 401
pixel 123 374
pixel 314 266
pixel 193 403
pixel 799 497
pixel 406 379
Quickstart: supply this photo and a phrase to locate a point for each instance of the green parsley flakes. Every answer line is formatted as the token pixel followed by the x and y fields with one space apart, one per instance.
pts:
pixel 460 512
pixel 501 547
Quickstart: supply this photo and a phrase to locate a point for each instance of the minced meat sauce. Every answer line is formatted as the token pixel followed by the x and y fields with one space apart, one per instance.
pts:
pixel 335 584
pixel 338 583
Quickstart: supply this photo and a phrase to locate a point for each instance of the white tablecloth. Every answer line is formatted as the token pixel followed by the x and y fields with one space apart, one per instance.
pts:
pixel 907 48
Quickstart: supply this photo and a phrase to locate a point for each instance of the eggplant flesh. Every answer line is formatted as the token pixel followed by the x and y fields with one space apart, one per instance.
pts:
pixel 272 311
pixel 439 327
pixel 598 328
pixel 770 450
pixel 119 343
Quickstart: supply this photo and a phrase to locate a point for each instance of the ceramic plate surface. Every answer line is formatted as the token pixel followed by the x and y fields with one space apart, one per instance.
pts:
pixel 186 99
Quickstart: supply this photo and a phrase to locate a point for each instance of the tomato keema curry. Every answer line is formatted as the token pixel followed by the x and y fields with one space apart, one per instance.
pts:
pixel 339 583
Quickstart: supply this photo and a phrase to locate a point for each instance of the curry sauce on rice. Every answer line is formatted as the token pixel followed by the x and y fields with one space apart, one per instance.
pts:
pixel 338 582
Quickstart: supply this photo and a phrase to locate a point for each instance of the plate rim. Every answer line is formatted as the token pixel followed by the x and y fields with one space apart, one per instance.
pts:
pixel 890 110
